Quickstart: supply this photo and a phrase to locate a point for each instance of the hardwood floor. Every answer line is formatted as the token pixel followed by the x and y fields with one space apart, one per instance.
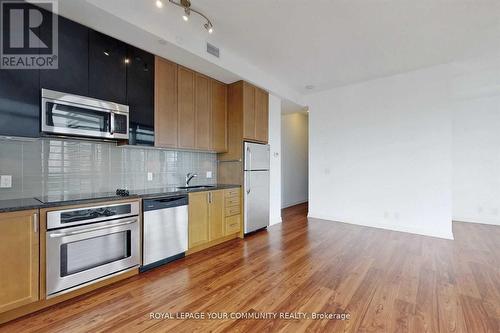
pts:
pixel 387 281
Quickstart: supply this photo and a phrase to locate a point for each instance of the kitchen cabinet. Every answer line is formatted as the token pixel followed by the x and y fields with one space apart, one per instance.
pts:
pixel 255 113
pixel 107 68
pixel 232 211
pixel 19 259
pixel 165 104
pixel 72 74
pixel 261 115
pixel 216 214
pixel 20 102
pixel 214 217
pixel 208 219
pixel 140 96
pixel 186 108
pixel 199 232
pixel 247 120
pixel 203 114
pixel 219 116
pixel 248 111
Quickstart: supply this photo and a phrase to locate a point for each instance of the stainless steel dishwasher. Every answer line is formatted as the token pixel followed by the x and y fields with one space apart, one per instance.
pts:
pixel 165 230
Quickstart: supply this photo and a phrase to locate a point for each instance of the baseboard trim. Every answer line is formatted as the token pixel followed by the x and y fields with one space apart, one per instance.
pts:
pixel 466 220
pixel 408 230
pixel 275 220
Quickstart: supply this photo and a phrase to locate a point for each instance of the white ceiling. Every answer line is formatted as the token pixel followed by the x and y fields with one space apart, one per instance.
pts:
pixel 325 43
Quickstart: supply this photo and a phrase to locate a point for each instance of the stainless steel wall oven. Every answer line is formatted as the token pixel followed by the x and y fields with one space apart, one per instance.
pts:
pixel 90 243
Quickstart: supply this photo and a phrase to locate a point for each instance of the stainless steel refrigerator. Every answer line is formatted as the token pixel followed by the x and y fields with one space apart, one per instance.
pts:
pixel 256 186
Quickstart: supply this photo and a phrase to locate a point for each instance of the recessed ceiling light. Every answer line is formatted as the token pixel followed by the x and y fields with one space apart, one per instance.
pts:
pixel 159 4
pixel 310 87
pixel 106 53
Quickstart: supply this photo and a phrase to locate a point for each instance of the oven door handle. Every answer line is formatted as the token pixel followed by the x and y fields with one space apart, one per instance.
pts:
pixel 78 232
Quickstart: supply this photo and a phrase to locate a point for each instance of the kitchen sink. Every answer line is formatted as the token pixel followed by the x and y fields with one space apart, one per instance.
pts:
pixel 196 187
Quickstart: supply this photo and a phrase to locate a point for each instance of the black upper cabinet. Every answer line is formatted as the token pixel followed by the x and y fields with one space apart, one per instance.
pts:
pixel 107 68
pixel 140 96
pixel 72 75
pixel 19 102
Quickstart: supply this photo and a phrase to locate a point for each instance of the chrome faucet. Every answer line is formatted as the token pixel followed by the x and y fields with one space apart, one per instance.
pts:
pixel 189 177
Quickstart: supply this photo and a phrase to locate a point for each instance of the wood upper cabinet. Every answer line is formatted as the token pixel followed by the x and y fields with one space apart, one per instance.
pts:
pixel 248 111
pixel 252 103
pixel 190 109
pixel 19 259
pixel 219 116
pixel 186 108
pixel 198 219
pixel 165 104
pixel 261 115
pixel 203 114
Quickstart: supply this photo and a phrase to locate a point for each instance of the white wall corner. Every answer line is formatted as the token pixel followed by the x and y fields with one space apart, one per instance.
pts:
pixel 275 159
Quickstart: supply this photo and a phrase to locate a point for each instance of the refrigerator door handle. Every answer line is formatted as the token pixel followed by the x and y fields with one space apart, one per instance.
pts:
pixel 248 182
pixel 249 151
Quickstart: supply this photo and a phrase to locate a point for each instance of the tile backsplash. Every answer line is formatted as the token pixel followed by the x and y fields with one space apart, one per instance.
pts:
pixel 57 166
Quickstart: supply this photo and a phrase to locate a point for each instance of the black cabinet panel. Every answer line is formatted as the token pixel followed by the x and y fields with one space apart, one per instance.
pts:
pixel 140 96
pixel 20 102
pixel 107 68
pixel 72 75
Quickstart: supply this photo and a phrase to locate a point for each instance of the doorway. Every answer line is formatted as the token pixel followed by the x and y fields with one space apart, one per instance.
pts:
pixel 294 155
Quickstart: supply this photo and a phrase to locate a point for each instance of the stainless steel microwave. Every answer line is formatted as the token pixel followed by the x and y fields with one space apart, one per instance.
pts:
pixel 74 115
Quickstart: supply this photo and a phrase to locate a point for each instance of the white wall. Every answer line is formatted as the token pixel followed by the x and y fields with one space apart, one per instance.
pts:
pixel 294 162
pixel 476 141
pixel 380 153
pixel 275 167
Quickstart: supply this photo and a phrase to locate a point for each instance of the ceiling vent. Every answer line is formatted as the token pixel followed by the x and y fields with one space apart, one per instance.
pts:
pixel 213 50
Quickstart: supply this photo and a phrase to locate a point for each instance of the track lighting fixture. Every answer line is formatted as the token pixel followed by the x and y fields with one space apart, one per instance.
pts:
pixel 186 5
pixel 187 12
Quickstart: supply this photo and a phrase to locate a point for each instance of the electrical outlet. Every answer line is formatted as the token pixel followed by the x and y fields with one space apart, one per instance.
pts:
pixel 6 181
pixel 209 174
pixel 150 176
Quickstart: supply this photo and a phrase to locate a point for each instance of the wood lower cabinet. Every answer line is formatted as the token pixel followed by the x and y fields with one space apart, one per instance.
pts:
pixel 232 211
pixel 19 259
pixel 216 213
pixel 209 221
pixel 199 232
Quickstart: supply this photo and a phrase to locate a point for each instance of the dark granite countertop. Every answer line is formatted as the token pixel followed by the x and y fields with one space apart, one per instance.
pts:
pixel 12 205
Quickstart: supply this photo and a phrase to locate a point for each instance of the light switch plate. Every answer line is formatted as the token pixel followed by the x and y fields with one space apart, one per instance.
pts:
pixel 209 174
pixel 150 176
pixel 6 181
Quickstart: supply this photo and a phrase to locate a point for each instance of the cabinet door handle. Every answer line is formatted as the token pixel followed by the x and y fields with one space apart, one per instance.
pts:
pixel 35 223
